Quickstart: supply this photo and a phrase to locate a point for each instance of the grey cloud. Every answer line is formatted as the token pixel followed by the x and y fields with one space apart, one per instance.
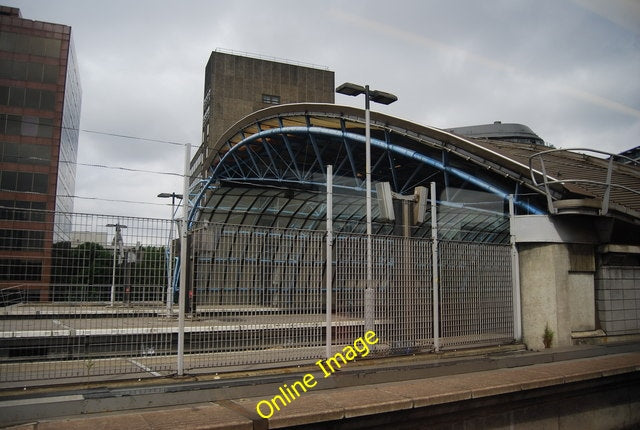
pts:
pixel 566 68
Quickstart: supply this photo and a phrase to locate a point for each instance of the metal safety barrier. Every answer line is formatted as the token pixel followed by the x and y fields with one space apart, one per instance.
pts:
pixel 598 181
pixel 105 305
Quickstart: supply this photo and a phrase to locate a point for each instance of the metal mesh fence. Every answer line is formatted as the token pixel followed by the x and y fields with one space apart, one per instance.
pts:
pixel 102 302
pixel 259 295
pixel 92 303
pixel 476 293
pixel 402 291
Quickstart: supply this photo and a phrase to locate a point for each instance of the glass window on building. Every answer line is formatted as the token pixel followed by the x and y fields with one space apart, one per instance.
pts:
pixel 47 100
pixel 19 210
pixel 34 154
pixel 50 74
pixel 32 99
pixel 20 270
pixel 19 70
pixel 6 66
pixel 10 69
pixel 29 126
pixel 270 99
pixel 27 97
pixel 34 72
pixel 9 152
pixel 7 41
pixel 16 96
pixel 40 183
pixel 45 127
pixel 37 46
pixel 8 180
pixel 24 181
pixel 30 71
pixel 33 45
pixel 13 124
pixel 16 125
pixel 4 96
pixel 21 240
pixel 22 42
pixel 52 47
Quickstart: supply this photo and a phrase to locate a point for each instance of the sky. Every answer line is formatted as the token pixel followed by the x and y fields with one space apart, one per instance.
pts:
pixel 569 69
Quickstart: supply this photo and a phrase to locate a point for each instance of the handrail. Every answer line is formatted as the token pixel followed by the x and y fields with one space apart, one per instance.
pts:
pixel 546 181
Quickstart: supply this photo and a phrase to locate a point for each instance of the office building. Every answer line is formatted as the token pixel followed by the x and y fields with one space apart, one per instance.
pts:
pixel 40 99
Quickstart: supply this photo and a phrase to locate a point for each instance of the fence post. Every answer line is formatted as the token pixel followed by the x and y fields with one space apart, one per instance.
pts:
pixel 329 271
pixel 515 275
pixel 183 259
pixel 434 270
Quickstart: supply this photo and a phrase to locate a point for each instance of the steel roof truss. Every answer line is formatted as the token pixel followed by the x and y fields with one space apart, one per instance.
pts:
pixel 318 154
pixel 405 187
pixel 347 147
pixel 392 164
pixel 250 153
pixel 266 146
pixel 287 144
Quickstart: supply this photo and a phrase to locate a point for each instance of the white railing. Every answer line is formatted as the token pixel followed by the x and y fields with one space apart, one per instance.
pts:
pixel 607 184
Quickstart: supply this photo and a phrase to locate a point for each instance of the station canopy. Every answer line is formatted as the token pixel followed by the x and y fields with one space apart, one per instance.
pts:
pixel 270 169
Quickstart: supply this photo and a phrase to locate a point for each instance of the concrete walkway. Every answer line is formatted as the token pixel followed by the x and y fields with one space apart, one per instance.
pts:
pixel 341 403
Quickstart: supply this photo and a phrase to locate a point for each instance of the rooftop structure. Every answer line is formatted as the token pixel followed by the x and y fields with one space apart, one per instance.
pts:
pixel 237 84
pixel 499 131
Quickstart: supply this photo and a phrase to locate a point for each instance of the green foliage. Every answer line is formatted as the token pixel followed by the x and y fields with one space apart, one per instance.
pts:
pixel 90 265
pixel 547 337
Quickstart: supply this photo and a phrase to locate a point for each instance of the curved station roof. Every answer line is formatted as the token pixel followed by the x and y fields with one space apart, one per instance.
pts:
pixel 270 169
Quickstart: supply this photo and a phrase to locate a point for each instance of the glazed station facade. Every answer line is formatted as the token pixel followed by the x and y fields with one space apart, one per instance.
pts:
pixel 271 169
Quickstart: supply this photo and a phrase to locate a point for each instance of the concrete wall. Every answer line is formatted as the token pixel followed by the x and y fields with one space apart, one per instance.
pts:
pixel 582 301
pixel 557 289
pixel 618 299
pixel 541 298
pixel 238 84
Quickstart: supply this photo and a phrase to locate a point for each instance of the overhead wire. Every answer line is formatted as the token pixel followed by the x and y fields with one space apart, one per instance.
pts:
pixel 115 200
pixel 104 133
pixel 145 139
pixel 104 166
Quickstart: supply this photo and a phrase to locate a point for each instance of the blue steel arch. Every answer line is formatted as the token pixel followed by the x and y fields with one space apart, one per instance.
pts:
pixel 346 136
pixel 230 162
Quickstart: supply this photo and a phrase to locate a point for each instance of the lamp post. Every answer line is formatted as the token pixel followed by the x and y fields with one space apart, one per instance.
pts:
pixel 173 197
pixel 381 97
pixel 116 239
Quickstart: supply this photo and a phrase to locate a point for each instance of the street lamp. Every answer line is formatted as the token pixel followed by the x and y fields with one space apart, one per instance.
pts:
pixel 173 197
pixel 384 98
pixel 116 239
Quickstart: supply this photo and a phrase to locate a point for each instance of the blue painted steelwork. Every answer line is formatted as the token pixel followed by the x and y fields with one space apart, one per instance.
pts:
pixel 344 136
pixel 287 145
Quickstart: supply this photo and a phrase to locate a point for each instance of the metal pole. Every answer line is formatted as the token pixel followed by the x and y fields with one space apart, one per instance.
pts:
pixel 329 271
pixel 183 260
pixel 113 275
pixel 117 238
pixel 408 295
pixel 369 298
pixel 515 276
pixel 434 270
pixel 170 261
